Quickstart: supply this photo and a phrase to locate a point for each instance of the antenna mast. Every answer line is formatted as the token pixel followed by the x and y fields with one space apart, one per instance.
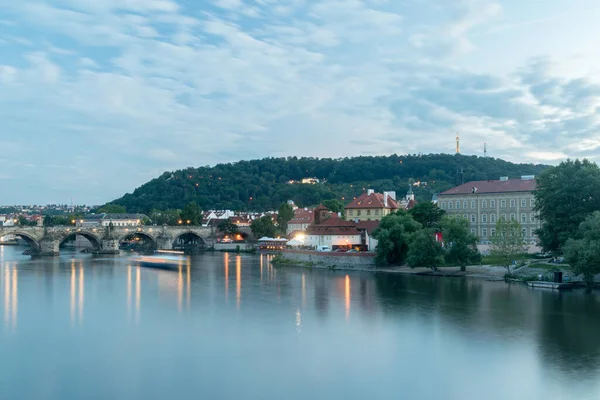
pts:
pixel 457 143
pixel 485 150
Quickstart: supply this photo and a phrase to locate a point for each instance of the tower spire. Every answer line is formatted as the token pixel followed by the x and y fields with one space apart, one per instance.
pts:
pixel 485 150
pixel 457 143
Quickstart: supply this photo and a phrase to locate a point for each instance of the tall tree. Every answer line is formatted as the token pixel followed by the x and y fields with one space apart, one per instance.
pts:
pixel 166 217
pixel 111 209
pixel 565 196
pixel 263 226
pixel 394 235
pixel 583 254
pixel 424 251
pixel 191 214
pixel 228 227
pixel 460 244
pixel 507 242
pixel 285 214
pixel 427 214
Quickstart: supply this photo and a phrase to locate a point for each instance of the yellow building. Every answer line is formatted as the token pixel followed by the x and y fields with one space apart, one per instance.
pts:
pixel 371 206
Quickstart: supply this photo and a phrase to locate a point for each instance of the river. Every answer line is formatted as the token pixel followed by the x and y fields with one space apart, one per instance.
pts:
pixel 229 326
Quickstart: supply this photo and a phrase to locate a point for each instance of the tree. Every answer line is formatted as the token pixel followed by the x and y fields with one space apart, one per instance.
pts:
pixel 507 242
pixel 191 214
pixel 394 235
pixel 285 214
pixel 25 222
pixel 167 217
pixel 565 196
pixel 228 227
pixel 583 254
pixel 335 206
pixel 263 226
pixel 460 244
pixel 425 251
pixel 427 214
pixel 111 209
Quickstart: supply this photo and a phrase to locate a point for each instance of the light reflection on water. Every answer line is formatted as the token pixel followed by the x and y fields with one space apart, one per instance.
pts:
pixel 76 324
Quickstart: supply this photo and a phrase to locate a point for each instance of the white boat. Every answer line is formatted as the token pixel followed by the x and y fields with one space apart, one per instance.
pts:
pixel 162 259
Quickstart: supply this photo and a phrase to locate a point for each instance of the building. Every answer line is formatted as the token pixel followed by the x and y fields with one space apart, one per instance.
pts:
pixel 334 232
pixel 372 206
pixel 483 203
pixel 98 220
pixel 310 181
pixel 303 217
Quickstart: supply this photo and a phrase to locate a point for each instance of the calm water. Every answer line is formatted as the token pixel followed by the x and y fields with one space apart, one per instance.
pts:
pixel 232 327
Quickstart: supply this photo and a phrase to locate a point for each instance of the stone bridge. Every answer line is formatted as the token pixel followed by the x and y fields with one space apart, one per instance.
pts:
pixel 46 241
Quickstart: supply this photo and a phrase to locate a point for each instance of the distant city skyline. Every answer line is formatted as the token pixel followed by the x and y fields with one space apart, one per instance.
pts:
pixel 98 97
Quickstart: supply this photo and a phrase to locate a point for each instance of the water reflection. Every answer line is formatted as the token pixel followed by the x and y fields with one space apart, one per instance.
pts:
pixel 11 296
pixel 238 281
pixel 347 296
pixel 77 292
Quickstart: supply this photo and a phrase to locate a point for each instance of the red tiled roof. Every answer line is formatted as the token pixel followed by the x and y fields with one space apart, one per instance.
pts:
pixel 333 225
pixel 411 204
pixel 373 200
pixel 321 207
pixel 368 226
pixel 511 185
pixel 302 216
pixel 335 221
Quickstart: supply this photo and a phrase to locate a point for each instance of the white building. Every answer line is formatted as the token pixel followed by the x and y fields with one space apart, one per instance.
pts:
pixel 97 220
pixel 333 232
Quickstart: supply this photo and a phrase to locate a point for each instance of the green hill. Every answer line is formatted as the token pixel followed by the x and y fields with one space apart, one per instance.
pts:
pixel 261 185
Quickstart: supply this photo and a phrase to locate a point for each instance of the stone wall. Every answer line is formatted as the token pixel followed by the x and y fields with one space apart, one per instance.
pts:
pixel 357 261
pixel 233 246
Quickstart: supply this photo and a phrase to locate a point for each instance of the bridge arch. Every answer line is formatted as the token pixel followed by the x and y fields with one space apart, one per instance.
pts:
pixel 188 240
pixel 30 240
pixel 94 240
pixel 141 234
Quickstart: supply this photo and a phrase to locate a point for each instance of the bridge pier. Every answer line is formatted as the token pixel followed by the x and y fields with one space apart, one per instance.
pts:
pixel 164 242
pixel 109 246
pixel 48 248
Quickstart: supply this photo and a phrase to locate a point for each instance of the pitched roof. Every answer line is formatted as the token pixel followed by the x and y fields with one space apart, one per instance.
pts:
pixel 368 226
pixel 373 200
pixel 511 185
pixel 112 216
pixel 321 207
pixel 333 225
pixel 302 216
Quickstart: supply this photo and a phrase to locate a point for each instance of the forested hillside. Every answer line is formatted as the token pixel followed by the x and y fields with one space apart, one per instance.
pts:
pixel 260 185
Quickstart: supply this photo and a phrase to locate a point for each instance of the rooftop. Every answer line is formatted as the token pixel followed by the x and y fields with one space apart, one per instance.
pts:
pixel 499 186
pixel 373 200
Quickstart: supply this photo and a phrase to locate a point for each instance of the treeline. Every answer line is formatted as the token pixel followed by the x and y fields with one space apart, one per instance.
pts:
pixel 261 185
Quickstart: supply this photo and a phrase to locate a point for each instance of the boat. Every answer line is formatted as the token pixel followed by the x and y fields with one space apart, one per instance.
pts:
pixel 165 259
pixel 554 285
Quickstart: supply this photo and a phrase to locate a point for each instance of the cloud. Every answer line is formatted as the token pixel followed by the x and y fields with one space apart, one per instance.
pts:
pixel 131 88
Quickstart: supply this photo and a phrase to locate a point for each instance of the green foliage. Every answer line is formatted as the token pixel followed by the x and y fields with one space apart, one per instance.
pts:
pixel 507 242
pixel 425 251
pixel 583 254
pixel 262 185
pixel 56 220
pixel 285 214
pixel 228 227
pixel 335 206
pixel 111 209
pixel 427 214
pixel 191 214
pixel 263 226
pixel 146 221
pixel 461 245
pixel 565 196
pixel 25 222
pixel 167 217
pixel 394 235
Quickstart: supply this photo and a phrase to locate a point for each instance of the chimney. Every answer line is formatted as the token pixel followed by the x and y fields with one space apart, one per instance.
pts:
pixel 503 178
pixel 370 192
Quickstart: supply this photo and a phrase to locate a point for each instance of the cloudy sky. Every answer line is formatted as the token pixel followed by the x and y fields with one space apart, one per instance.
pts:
pixel 97 97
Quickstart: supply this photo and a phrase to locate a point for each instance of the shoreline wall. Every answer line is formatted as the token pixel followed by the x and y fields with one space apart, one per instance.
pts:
pixel 359 261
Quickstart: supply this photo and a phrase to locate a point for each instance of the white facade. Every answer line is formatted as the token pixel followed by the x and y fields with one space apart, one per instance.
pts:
pixel 333 240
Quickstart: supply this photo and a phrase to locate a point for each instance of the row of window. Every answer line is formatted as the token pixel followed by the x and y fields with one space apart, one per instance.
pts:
pixel 484 204
pixel 503 217
pixel 359 212
pixel 484 232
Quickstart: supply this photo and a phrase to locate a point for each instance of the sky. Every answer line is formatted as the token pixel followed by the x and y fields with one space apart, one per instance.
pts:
pixel 98 97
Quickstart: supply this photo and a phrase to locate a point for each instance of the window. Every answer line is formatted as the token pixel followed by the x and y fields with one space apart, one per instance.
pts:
pixel 473 219
pixel 502 203
pixel 513 217
pixel 473 231
pixel 472 204
pixel 484 232
pixel 503 217
pixel 458 205
pixel 532 232
pixel 493 232
pixel 368 212
pixel 358 212
pixel 443 205
pixel 524 232
pixel 532 217
pixel 483 204
pixel 492 203
pixel 524 218
pixel 350 212
pixel 484 218
pixel 466 217
pixel 523 203
pixel 493 218
pixel 465 204
pixel 450 205
pixel 377 212
pixel 532 203
pixel 513 203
